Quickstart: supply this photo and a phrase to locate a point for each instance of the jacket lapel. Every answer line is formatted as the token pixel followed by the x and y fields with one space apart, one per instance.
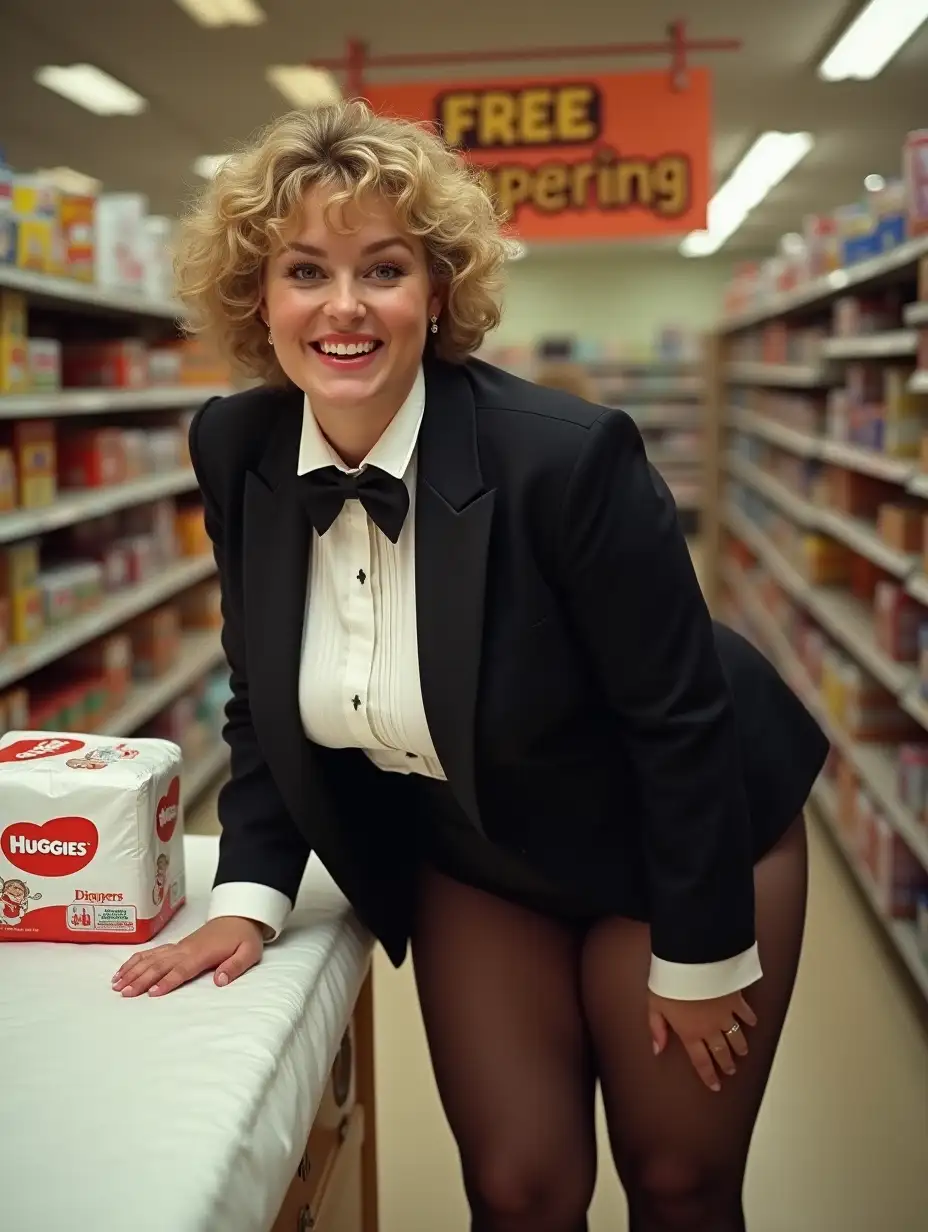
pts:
pixel 277 555
pixel 453 518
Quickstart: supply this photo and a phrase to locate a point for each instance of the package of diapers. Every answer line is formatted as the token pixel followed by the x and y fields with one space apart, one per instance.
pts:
pixel 91 837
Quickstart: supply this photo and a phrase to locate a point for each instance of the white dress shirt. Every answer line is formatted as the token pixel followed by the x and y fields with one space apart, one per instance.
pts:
pixel 359 671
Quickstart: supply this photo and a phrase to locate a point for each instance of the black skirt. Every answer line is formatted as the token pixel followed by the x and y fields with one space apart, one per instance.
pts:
pixel 782 748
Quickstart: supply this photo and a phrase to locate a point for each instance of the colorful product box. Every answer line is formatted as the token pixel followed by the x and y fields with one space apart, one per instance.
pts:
pixel 91 458
pixel 121 244
pixel 14 354
pixel 35 456
pixel 155 642
pixel 915 175
pixel 7 221
pixel 44 359
pixel 78 235
pixel 36 213
pixel 19 572
pixel 121 364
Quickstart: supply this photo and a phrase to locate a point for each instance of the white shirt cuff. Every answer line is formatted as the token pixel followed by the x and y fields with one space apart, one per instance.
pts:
pixel 703 981
pixel 252 901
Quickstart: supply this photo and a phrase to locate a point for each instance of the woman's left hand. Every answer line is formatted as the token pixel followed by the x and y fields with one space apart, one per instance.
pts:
pixel 712 1032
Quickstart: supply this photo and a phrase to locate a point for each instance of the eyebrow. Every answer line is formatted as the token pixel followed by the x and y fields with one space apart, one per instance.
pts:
pixel 310 250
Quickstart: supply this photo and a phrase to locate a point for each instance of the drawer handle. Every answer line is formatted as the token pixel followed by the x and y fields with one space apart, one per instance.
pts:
pixel 305 1221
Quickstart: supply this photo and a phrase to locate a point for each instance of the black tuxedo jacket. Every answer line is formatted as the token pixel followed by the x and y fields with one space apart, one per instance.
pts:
pixel 568 667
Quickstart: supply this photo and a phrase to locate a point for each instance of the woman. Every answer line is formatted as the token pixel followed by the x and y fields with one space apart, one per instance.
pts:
pixel 472 669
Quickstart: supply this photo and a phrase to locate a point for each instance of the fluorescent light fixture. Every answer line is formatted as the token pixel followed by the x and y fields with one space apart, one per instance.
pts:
pixel 769 161
pixel 304 86
pixel 70 181
pixel 874 183
pixel 91 88
pixel 877 34
pixel 215 13
pixel 208 164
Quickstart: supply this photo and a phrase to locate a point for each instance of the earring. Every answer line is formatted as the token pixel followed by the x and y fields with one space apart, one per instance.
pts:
pixel 270 338
pixel 434 325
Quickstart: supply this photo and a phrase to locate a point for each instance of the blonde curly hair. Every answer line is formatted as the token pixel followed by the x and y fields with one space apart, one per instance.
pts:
pixel 240 217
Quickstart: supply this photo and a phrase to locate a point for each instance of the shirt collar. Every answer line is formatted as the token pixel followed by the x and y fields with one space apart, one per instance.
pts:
pixel 392 452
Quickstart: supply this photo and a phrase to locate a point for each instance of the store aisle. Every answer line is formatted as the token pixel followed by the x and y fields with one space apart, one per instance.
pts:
pixel 843 1137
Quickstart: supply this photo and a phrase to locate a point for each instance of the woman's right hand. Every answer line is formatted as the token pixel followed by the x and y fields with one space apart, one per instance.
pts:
pixel 228 946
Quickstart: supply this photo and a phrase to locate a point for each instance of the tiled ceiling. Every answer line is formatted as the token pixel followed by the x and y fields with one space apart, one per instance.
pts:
pixel 207 90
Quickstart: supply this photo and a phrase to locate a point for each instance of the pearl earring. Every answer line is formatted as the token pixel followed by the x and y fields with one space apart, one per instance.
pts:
pixel 270 338
pixel 434 325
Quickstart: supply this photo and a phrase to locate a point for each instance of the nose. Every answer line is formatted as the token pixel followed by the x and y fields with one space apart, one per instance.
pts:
pixel 343 306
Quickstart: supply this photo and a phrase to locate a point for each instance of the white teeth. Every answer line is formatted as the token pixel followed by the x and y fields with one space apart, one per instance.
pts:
pixel 347 348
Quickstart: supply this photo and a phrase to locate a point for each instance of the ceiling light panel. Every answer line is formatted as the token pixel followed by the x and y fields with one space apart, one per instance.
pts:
pixel 302 85
pixel 767 163
pixel 876 35
pixel 89 87
pixel 213 14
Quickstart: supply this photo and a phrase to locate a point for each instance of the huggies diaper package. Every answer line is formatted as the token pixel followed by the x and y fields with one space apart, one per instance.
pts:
pixel 91 837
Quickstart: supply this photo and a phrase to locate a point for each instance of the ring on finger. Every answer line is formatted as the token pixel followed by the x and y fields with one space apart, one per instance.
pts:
pixel 733 1029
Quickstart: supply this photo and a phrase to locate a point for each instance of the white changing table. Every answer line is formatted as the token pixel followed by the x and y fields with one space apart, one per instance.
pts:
pixel 209 1110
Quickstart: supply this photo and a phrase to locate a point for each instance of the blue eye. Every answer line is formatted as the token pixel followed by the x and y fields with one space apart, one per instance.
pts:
pixel 386 271
pixel 304 273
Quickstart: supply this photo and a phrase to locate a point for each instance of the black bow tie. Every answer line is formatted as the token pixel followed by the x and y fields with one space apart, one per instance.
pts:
pixel 383 498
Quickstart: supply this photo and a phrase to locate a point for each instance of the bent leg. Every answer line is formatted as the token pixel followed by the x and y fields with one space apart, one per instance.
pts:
pixel 680 1149
pixel 499 990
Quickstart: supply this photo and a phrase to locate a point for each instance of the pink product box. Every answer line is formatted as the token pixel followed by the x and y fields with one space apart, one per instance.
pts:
pixel 912 779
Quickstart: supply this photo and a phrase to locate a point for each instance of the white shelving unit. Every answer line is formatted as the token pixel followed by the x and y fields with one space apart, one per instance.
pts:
pixel 65 403
pixel 762 482
pixel 200 653
pixel 74 507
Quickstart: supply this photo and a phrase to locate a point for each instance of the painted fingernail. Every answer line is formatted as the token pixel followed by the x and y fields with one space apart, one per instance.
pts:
pixel 127 991
pixel 716 1086
pixel 222 979
pixel 656 1047
pixel 117 984
pixel 154 990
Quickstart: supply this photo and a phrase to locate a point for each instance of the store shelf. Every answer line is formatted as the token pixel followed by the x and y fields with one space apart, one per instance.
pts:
pixel 864 539
pixel 73 507
pixel 868 461
pixel 200 653
pixel 66 402
pixel 685 389
pixel 916 314
pixel 918 382
pixel 108 615
pixel 201 774
pixel 790 439
pixel 66 292
pixel 791 376
pixel 918 485
pixel 900 932
pixel 799 510
pixel 889 345
pixel 820 290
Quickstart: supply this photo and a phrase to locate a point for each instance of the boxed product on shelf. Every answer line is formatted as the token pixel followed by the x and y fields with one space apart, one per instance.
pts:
pixel 91 457
pixel 823 561
pixel 19 574
pixel 898 876
pixel 888 209
pixel 36 204
pixel 14 350
pixel 156 521
pixel 14 709
pixel 35 457
pixel 109 659
pixel 119 364
pixel 155 641
pixel 822 244
pixel 857 495
pixel 897 619
pixel 159 270
pixel 7 222
pixel 44 363
pixel 859 704
pixel 912 778
pixel 121 244
pixel 77 216
pixel 903 526
pixel 915 174
pixel 69 590
pixel 856 315
pixel 191 531
pixel 857 234
pixel 847 786
pixel 201 606
pixel 8 481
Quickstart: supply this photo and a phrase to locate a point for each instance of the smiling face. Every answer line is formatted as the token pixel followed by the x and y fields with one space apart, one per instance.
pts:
pixel 348 307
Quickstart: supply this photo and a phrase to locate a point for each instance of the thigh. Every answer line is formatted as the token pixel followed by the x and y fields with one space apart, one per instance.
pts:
pixel 499 990
pixel 666 1127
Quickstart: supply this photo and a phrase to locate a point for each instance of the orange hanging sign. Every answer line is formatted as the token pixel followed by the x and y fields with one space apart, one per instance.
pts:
pixel 618 156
